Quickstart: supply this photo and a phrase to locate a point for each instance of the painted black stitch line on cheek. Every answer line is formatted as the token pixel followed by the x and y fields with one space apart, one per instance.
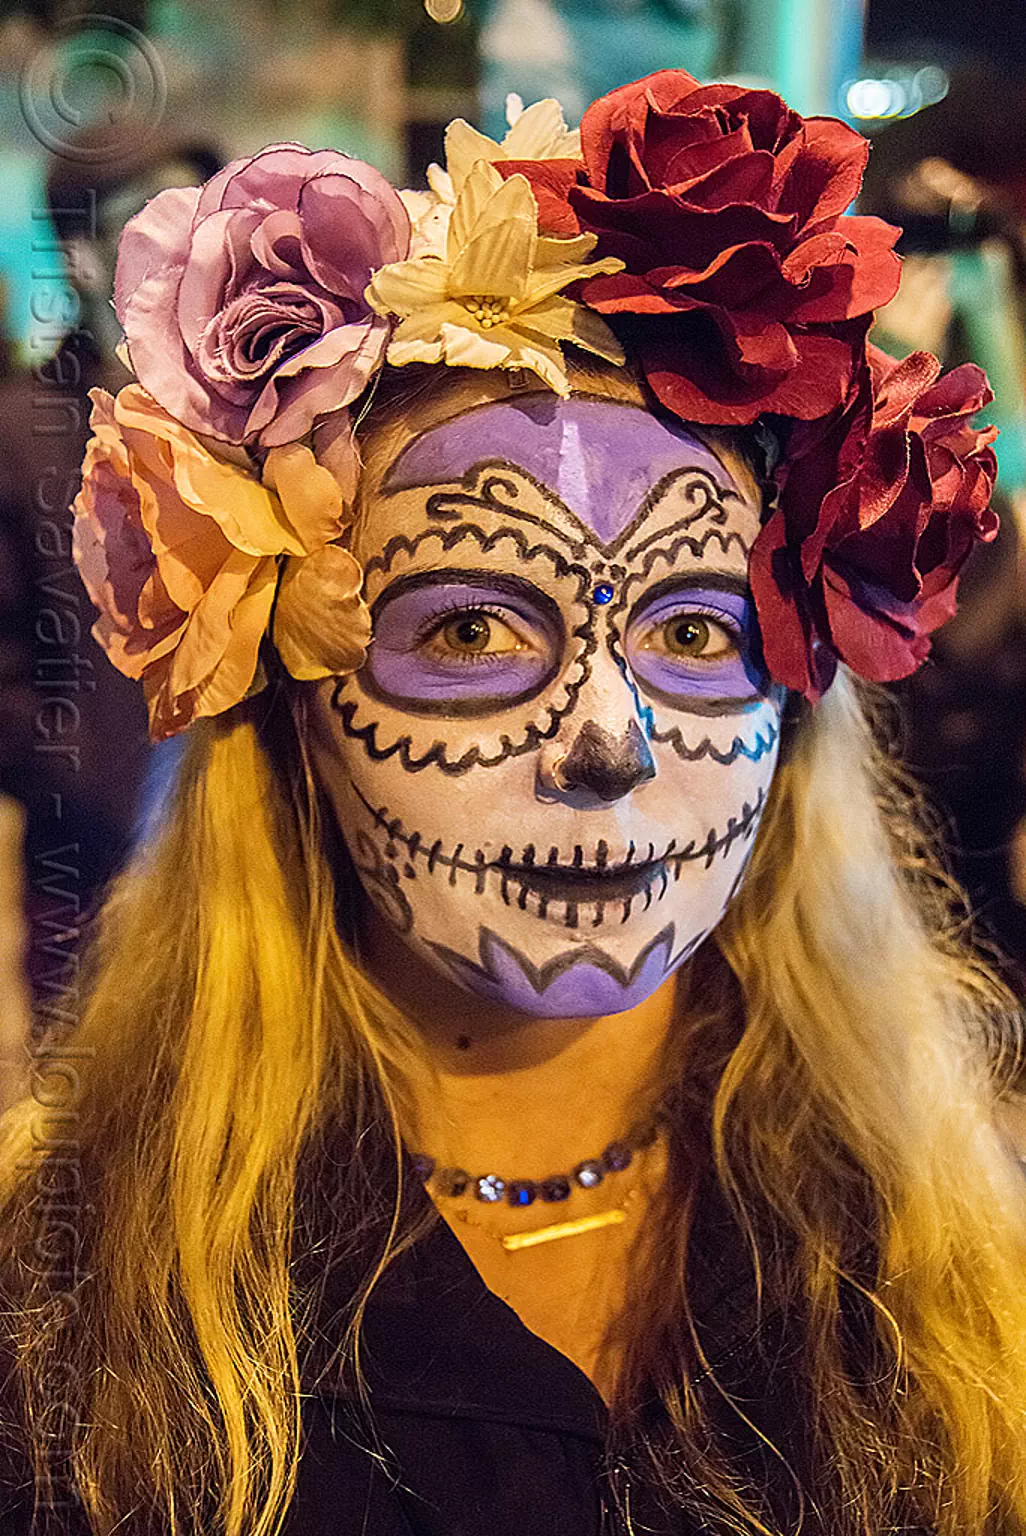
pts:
pixel 381 879
pixel 650 868
pixel 437 754
pixel 766 739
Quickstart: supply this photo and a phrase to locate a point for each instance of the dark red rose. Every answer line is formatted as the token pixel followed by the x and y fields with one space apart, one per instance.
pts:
pixel 742 269
pixel 877 512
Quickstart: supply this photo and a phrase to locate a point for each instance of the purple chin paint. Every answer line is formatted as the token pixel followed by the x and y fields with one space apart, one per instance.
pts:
pixel 600 457
pixel 576 984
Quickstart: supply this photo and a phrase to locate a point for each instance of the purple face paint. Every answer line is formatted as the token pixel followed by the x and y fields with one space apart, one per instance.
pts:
pixel 418 662
pixel 725 670
pixel 601 457
pixel 525 564
pixel 571 985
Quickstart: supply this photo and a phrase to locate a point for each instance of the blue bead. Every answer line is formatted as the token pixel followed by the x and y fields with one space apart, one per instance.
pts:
pixel 422 1165
pixel 603 594
pixel 522 1192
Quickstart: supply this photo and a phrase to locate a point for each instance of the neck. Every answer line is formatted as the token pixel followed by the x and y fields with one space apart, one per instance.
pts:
pixel 496 1091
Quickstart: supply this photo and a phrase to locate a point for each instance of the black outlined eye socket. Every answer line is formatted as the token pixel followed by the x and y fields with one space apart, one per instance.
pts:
pixel 691 643
pixel 461 642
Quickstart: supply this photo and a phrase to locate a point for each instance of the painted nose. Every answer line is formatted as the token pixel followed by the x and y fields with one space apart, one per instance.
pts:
pixel 607 765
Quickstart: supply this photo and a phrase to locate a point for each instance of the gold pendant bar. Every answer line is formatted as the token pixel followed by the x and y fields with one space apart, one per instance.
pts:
pixel 514 1240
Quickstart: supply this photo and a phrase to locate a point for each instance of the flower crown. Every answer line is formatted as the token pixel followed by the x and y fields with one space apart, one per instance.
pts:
pixel 699 229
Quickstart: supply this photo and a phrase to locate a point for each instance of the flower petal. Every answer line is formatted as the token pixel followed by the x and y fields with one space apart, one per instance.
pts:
pixel 540 133
pixel 235 501
pixel 474 201
pixel 424 330
pixel 335 447
pixel 498 254
pixel 405 286
pixel 309 494
pixel 541 284
pixel 467 347
pixel 464 148
pixel 210 623
pixel 232 678
pixel 560 319
pixel 322 625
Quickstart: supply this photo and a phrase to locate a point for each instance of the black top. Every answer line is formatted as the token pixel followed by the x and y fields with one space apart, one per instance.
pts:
pixel 480 1428
pixel 484 1429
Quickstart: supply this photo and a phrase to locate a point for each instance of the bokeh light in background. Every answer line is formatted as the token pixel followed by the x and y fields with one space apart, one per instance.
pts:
pixel 380 78
pixel 901 93
pixel 443 11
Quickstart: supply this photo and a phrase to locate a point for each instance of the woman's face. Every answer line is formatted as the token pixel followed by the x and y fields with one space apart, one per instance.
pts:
pixel 550 771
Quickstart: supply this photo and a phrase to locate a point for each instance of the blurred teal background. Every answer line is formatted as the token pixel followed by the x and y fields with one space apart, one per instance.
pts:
pixel 381 78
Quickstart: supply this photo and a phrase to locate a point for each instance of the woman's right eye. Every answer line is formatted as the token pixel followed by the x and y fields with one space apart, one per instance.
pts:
pixel 471 646
pixel 471 635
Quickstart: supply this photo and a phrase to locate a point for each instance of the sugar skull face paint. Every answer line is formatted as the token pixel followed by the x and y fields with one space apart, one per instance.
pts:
pixel 550 770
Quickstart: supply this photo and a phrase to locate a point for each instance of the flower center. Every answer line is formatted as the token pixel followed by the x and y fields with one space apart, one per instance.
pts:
pixel 487 311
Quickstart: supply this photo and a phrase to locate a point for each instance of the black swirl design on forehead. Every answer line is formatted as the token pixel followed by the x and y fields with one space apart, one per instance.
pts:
pixel 449 538
pixel 491 485
pixel 709 500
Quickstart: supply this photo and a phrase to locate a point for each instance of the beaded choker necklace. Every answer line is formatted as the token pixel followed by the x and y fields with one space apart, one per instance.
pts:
pixel 491 1189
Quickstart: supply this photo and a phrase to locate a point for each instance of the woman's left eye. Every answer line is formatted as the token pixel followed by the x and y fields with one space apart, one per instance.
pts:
pixel 692 637
pixel 475 634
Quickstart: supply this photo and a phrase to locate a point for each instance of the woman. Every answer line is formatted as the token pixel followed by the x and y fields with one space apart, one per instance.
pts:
pixel 576 907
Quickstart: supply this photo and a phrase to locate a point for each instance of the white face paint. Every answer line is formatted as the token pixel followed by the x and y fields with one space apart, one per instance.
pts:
pixel 551 769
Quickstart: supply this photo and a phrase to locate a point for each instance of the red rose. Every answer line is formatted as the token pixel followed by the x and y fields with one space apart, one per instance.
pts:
pixel 728 210
pixel 878 512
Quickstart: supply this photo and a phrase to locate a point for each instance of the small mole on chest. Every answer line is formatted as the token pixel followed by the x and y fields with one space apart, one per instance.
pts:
pixel 463 1042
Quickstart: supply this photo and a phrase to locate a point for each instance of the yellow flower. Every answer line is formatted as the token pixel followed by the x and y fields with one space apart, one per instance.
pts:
pixel 537 132
pixel 494 300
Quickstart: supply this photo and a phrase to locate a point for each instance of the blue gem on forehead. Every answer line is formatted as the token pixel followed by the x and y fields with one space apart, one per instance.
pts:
pixel 603 593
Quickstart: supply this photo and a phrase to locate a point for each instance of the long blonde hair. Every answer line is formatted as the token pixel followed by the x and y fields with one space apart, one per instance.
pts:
pixel 845 1049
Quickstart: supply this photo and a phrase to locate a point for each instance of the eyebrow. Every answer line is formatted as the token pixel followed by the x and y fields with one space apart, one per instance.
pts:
pixel 696 581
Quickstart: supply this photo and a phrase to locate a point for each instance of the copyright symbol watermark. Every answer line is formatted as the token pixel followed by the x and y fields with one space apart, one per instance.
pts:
pixel 100 60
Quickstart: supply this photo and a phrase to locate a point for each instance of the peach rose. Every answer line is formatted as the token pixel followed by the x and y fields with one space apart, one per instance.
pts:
pixel 180 551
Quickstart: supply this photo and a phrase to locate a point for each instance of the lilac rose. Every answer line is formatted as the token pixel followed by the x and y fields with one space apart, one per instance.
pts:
pixel 242 300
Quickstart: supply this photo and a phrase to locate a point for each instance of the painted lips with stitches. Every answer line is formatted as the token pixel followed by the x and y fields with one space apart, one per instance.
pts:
pixel 573 881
